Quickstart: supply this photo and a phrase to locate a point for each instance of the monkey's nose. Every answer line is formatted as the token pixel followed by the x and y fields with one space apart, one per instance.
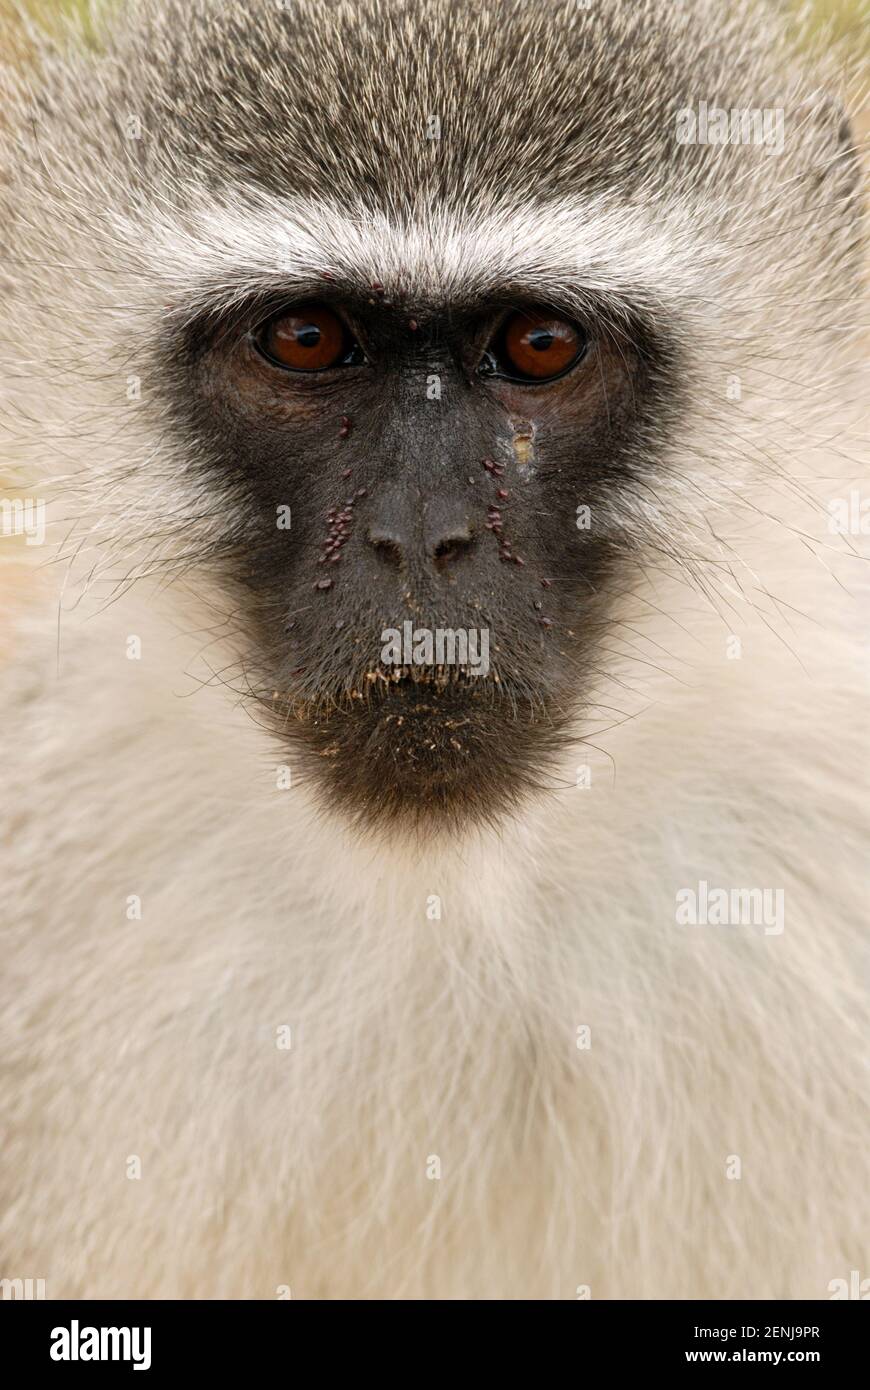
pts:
pixel 389 546
pixel 441 546
pixel 450 546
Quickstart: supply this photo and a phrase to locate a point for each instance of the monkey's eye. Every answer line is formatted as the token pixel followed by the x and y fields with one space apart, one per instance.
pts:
pixel 308 338
pixel 535 345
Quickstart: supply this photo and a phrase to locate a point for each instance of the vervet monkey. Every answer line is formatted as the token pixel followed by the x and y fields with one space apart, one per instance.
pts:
pixel 515 952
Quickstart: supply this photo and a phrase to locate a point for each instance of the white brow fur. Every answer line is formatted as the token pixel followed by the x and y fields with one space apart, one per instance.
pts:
pixel 220 253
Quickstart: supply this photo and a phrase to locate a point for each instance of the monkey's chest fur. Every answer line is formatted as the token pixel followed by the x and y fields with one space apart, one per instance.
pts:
pixel 248 1055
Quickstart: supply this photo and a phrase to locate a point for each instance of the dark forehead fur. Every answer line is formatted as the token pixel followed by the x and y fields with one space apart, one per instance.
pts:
pixel 536 96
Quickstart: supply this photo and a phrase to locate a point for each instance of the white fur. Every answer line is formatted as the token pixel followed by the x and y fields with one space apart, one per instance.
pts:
pixel 218 254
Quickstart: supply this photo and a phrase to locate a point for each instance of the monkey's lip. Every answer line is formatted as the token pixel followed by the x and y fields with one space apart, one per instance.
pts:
pixel 421 748
pixel 438 676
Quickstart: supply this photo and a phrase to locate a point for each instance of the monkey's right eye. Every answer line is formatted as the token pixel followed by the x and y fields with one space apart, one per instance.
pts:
pixel 308 338
pixel 535 347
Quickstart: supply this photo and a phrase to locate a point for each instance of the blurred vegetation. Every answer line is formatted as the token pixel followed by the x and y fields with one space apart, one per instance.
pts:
pixel 849 20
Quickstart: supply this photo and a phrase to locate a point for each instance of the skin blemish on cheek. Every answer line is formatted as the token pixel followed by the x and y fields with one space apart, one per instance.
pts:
pixel 523 444
pixel 494 522
pixel 339 520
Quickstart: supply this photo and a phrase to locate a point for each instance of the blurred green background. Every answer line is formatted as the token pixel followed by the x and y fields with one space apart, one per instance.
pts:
pixel 850 20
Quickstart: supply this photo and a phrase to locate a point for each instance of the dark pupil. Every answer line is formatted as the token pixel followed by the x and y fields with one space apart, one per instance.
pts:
pixel 541 339
pixel 308 336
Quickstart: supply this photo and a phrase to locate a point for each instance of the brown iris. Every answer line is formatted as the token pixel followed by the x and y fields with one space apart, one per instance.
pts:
pixel 306 338
pixel 540 345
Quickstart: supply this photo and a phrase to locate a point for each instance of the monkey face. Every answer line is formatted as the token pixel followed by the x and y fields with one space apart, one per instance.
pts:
pixel 421 574
pixel 438 379
pixel 443 308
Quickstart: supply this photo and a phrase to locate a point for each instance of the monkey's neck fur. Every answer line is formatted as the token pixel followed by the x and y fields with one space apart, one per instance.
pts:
pixel 509 1072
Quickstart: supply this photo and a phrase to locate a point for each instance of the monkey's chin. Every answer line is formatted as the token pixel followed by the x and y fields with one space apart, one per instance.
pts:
pixel 427 760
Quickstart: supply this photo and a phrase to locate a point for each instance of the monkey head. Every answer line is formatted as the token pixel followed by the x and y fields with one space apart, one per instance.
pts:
pixel 436 314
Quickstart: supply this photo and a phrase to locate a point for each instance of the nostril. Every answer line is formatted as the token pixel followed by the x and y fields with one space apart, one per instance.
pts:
pixel 451 548
pixel 390 552
pixel 388 547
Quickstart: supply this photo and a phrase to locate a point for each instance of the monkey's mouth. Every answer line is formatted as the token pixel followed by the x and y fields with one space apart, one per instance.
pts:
pixel 440 677
pixel 422 748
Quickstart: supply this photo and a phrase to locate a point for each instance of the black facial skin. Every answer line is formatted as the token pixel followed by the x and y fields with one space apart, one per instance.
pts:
pixel 456 513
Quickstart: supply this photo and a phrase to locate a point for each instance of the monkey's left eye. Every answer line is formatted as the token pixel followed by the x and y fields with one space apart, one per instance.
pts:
pixel 534 346
pixel 308 338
